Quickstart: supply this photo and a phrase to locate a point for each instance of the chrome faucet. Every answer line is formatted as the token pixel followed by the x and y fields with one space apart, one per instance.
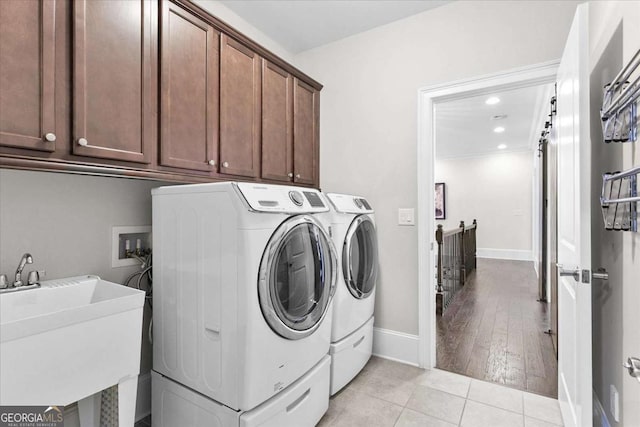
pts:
pixel 33 279
pixel 26 259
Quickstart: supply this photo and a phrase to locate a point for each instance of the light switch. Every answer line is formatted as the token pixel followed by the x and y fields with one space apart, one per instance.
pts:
pixel 406 216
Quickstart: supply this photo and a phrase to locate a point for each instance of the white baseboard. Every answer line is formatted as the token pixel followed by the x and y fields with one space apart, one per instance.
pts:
pixel 512 254
pixel 396 346
pixel 143 403
pixel 599 415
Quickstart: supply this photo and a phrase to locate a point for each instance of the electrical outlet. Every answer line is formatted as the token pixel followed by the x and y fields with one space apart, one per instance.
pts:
pixel 614 403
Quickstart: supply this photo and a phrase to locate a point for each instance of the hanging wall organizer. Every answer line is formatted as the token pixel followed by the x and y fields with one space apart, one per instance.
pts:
pixel 619 198
pixel 620 105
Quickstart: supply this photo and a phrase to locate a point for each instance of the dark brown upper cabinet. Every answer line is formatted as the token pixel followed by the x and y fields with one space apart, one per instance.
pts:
pixel 155 89
pixel 114 99
pixel 306 133
pixel 277 115
pixel 189 83
pixel 27 74
pixel 239 109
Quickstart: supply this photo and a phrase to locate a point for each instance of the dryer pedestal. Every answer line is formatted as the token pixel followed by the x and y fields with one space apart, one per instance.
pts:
pixel 303 403
pixel 349 355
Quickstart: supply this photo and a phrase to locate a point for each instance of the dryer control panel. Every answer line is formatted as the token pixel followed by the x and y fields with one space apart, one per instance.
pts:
pixel 282 198
pixel 345 203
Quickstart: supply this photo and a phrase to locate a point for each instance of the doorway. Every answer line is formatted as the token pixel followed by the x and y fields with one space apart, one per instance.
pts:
pixel 432 100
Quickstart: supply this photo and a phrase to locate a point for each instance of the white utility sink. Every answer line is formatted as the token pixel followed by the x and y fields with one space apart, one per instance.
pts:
pixel 69 339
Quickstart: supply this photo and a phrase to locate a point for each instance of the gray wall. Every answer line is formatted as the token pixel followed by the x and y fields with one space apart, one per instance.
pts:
pixel 614 34
pixel 500 198
pixel 65 222
pixel 368 125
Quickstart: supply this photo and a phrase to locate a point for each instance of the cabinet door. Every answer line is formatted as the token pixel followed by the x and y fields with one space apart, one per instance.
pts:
pixel 277 137
pixel 306 132
pixel 27 74
pixel 113 114
pixel 239 109
pixel 189 90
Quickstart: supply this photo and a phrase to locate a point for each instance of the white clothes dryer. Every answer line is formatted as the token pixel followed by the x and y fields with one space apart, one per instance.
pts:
pixel 244 275
pixel 354 235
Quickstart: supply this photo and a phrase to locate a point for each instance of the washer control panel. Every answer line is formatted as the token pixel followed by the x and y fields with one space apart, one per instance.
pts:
pixel 281 198
pixel 296 197
pixel 345 203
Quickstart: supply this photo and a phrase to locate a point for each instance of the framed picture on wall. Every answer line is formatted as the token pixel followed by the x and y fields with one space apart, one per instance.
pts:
pixel 441 212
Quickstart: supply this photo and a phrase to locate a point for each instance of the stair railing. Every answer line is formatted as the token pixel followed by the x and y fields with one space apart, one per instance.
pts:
pixel 456 259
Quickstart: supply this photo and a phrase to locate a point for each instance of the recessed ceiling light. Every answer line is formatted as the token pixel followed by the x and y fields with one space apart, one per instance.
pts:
pixel 492 101
pixel 499 129
pixel 502 146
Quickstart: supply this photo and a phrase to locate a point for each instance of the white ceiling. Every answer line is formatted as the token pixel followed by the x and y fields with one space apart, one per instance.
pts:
pixel 299 25
pixel 465 127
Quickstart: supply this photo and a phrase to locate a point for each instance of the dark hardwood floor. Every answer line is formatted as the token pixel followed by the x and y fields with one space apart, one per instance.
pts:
pixel 493 330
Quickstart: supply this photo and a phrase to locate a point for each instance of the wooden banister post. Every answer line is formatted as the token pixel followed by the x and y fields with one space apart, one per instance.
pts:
pixel 462 260
pixel 475 244
pixel 439 232
pixel 439 290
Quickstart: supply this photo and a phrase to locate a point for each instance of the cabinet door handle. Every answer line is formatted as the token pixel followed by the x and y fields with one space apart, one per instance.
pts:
pixel 225 164
pixel 298 176
pixel 212 162
pixel 83 142
pixel 290 175
pixel 50 137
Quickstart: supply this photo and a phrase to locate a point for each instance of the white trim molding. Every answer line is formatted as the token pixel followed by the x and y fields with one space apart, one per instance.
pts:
pixel 396 346
pixel 510 254
pixel 427 97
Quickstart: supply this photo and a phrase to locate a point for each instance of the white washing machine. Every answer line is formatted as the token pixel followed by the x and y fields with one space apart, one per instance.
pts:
pixel 244 274
pixel 354 235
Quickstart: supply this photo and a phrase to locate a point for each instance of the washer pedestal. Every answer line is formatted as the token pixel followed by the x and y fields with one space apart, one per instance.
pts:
pixel 303 403
pixel 349 355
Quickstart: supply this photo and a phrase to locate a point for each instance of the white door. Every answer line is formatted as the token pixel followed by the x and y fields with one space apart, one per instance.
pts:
pixel 574 222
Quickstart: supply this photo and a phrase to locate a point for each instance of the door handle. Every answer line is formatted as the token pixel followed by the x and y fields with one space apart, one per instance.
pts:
pixel 573 273
pixel 600 274
pixel 633 366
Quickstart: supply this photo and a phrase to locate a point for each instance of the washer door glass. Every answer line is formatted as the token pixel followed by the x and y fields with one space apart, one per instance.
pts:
pixel 297 277
pixel 360 257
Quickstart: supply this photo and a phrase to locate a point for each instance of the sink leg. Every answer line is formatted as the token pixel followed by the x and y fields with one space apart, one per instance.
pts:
pixel 89 410
pixel 127 393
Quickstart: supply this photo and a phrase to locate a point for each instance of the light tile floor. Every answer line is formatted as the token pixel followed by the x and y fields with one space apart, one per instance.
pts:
pixel 391 394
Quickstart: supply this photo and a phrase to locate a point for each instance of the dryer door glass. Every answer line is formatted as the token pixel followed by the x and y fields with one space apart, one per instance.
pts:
pixel 297 277
pixel 360 257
